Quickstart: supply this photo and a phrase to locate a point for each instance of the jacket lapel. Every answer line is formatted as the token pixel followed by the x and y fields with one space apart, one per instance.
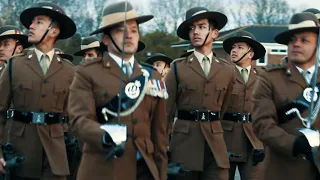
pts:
pixel 252 76
pixel 195 65
pixel 136 70
pixel 33 63
pixel 215 67
pixel 114 68
pixel 54 67
pixel 296 76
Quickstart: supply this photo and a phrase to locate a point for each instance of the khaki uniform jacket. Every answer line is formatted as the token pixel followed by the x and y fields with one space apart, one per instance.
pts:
pixel 34 92
pixel 95 83
pixel 276 87
pixel 239 137
pixel 197 92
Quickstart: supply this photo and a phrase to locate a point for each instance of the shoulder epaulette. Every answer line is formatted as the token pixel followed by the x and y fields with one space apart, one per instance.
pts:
pixel 272 67
pixel 225 61
pixel 92 61
pixel 18 55
pixel 178 60
pixel 67 61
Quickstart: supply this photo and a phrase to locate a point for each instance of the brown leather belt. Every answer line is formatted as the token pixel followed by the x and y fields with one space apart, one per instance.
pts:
pixel 196 115
pixel 237 117
pixel 39 118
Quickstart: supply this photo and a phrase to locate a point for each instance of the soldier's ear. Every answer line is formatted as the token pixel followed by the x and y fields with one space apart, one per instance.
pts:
pixel 105 39
pixel 19 49
pixel 214 34
pixel 55 32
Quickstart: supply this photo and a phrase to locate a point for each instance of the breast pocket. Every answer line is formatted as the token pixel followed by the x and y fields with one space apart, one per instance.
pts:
pixel 60 95
pixel 21 92
pixel 187 90
pixel 220 93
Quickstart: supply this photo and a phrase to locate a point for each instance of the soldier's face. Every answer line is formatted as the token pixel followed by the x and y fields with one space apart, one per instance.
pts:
pixel 131 34
pixel 39 26
pixel 198 32
pixel 159 66
pixel 7 48
pixel 91 53
pixel 302 47
pixel 238 50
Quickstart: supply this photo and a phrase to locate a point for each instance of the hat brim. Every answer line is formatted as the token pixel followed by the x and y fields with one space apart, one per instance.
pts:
pixel 23 39
pixel 155 58
pixel 258 49
pixel 67 26
pixel 284 37
pixel 139 19
pixel 219 19
pixel 66 56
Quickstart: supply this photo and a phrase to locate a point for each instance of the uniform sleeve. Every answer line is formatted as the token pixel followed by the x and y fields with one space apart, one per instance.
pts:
pixel 82 112
pixel 4 103
pixel 265 118
pixel 159 138
pixel 171 84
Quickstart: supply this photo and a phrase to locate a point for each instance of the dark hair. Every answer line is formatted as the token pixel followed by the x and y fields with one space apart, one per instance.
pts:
pixel 212 24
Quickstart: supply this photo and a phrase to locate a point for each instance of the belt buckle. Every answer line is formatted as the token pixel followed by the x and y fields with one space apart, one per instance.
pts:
pixel 38 118
pixel 245 118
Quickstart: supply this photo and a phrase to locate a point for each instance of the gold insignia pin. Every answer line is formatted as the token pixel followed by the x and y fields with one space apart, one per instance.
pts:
pixel 30 56
pixel 108 64
pixel 217 60
pixel 191 59
pixel 288 72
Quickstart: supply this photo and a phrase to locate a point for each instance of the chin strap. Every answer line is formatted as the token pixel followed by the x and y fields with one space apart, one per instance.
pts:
pixel 243 56
pixel 15 47
pixel 44 35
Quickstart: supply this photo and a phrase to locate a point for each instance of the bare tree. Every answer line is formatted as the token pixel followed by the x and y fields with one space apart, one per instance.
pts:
pixel 170 13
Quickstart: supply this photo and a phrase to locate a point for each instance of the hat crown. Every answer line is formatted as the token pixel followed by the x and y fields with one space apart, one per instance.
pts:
pixel 194 11
pixel 117 8
pixel 48 5
pixel 12 29
pixel 312 10
pixel 245 34
pixel 302 17
pixel 89 40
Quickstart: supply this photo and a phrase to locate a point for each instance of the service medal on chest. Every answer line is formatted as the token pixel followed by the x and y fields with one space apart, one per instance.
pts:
pixel 132 89
pixel 307 94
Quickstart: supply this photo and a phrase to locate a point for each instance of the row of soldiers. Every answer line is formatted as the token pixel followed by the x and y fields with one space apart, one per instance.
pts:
pixel 219 114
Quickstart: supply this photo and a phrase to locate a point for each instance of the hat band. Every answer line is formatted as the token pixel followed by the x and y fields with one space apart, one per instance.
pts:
pixel 303 24
pixel 91 45
pixel 117 18
pixel 247 37
pixel 199 12
pixel 11 32
pixel 318 16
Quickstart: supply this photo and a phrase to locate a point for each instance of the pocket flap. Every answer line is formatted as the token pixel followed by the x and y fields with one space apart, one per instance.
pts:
pixel 227 125
pixel 56 130
pixel 181 126
pixel 150 147
pixel 221 87
pixel 60 89
pixel 235 91
pixel 24 85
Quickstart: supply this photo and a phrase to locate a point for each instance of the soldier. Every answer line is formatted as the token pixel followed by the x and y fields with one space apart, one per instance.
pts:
pixel 93 106
pixel 161 63
pixel 37 83
pixel 12 42
pixel 63 55
pixel 91 47
pixel 281 88
pixel 314 11
pixel 238 133
pixel 200 87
